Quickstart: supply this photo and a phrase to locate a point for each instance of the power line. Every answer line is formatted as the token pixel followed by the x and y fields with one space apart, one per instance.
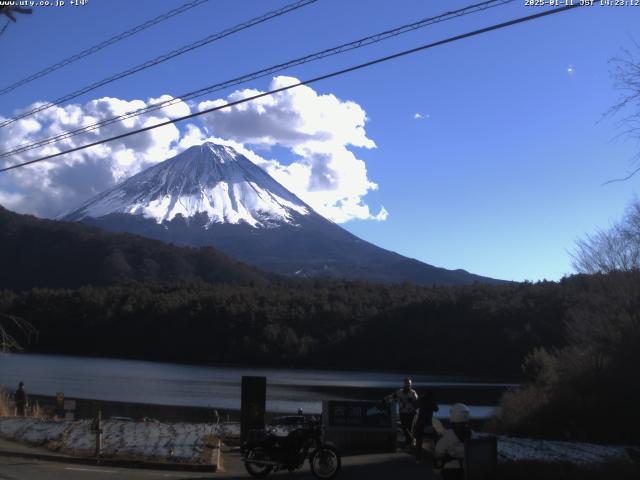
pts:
pixel 110 41
pixel 307 82
pixel 262 73
pixel 167 56
pixel 4 28
pixel 362 42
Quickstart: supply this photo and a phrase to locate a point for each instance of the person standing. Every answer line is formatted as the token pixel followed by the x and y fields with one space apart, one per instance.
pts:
pixel 20 397
pixel 449 452
pixel 426 407
pixel 406 398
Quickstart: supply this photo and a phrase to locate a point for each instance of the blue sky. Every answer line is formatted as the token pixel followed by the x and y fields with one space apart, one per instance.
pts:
pixel 500 176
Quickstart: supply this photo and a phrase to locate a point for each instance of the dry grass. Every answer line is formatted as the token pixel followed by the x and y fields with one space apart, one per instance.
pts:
pixel 35 410
pixel 6 406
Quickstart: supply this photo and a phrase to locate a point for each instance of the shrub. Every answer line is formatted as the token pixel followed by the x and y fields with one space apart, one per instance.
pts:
pixel 6 405
pixel 587 390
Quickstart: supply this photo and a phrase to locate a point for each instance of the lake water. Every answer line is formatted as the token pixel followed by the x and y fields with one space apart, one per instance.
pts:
pixel 219 387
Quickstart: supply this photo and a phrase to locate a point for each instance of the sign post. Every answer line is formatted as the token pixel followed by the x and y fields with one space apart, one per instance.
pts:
pixel 60 404
pixel 252 404
pixel 69 409
pixel 96 427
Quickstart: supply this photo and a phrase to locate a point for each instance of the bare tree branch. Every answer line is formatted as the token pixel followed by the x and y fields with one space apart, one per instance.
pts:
pixel 12 326
pixel 626 75
pixel 614 249
pixel 624 179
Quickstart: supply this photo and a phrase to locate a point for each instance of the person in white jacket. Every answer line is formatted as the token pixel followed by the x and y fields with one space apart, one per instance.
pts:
pixel 449 452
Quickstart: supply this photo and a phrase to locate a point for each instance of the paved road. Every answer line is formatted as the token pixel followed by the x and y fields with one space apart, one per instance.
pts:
pixel 370 467
pixel 23 469
pixel 373 467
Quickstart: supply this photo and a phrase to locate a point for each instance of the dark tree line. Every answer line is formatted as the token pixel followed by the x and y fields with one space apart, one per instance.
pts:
pixel 45 253
pixel 476 329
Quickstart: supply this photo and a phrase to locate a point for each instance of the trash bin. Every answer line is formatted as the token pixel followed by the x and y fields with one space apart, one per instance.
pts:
pixel 480 458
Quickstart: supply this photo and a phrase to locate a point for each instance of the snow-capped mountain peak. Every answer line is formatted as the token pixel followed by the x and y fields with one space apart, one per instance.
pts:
pixel 209 179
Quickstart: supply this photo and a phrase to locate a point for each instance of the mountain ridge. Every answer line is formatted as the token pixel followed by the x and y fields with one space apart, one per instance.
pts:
pixel 208 178
pixel 210 195
pixel 36 252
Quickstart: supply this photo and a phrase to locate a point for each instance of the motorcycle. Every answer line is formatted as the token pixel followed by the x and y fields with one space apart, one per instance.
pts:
pixel 265 452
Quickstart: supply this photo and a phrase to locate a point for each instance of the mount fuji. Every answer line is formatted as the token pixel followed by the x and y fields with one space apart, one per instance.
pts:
pixel 210 195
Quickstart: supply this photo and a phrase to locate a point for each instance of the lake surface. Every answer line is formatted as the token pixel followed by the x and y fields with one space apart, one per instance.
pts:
pixel 219 387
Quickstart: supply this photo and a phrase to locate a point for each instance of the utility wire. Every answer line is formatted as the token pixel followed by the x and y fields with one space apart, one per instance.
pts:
pixel 167 56
pixel 93 49
pixel 307 82
pixel 110 41
pixel 379 37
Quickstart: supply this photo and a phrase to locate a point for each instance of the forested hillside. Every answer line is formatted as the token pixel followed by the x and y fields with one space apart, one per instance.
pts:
pixel 45 253
pixel 99 293
pixel 479 329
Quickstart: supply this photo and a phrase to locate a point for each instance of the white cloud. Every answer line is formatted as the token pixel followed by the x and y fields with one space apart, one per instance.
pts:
pixel 318 129
pixel 382 215
pixel 417 116
pixel 52 187
pixel 12 201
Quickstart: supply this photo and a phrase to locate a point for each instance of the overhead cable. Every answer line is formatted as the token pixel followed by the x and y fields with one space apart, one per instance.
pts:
pixel 362 42
pixel 354 68
pixel 163 58
pixel 99 46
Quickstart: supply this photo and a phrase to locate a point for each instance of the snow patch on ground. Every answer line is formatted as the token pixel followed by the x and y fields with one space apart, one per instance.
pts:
pixel 175 442
pixel 192 442
pixel 551 451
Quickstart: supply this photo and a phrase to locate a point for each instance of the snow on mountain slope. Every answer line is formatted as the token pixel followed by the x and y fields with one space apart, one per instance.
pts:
pixel 211 196
pixel 212 179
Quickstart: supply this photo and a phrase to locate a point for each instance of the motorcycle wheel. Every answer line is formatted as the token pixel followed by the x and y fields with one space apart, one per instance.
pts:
pixel 325 462
pixel 256 470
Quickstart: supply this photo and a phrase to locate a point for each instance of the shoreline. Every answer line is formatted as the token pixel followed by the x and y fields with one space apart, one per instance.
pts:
pixel 453 377
pixel 185 391
pixel 86 408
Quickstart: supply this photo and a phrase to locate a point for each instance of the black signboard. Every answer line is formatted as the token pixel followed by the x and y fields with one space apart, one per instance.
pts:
pixel 359 414
pixel 252 404
pixel 480 458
